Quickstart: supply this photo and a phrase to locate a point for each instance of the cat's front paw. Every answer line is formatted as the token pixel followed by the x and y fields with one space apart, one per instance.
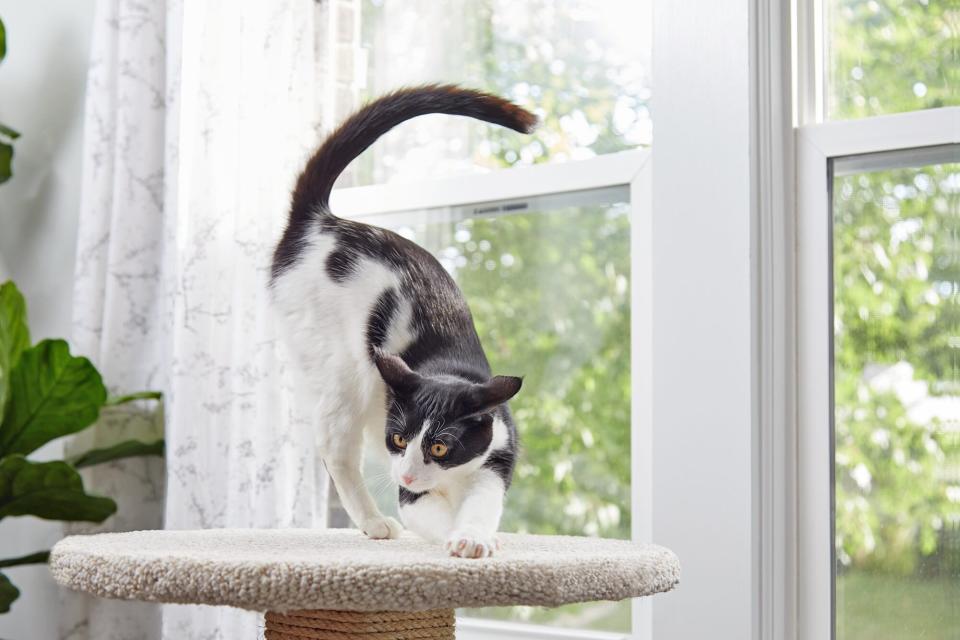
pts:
pixel 382 528
pixel 466 543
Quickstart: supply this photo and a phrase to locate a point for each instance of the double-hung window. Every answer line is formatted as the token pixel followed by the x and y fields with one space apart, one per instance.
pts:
pixel 546 234
pixel 878 159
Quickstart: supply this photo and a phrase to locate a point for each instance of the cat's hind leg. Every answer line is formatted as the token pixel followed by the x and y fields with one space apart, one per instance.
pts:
pixel 341 447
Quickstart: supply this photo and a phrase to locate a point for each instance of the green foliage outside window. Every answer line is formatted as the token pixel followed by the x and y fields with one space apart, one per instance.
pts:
pixel 890 56
pixel 897 315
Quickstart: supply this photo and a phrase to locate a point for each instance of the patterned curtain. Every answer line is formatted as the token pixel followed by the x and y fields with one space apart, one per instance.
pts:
pixel 198 117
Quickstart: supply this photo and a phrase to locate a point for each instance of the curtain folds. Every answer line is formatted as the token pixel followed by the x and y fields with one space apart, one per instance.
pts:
pixel 198 117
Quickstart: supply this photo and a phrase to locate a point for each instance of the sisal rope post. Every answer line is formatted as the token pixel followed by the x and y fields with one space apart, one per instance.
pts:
pixel 437 624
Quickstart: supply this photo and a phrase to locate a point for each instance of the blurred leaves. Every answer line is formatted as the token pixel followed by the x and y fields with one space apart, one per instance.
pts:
pixel 569 61
pixel 889 56
pixel 897 312
pixel 549 291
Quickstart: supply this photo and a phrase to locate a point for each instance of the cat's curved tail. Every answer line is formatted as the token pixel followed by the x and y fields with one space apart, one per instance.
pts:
pixel 312 193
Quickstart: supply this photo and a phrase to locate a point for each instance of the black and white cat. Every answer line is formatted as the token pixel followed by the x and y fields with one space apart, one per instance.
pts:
pixel 384 336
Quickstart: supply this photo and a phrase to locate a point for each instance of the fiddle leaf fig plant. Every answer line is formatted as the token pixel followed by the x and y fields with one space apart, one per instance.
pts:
pixel 47 393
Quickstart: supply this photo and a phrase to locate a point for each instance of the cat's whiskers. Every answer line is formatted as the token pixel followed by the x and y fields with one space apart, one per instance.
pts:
pixel 447 431
pixel 379 483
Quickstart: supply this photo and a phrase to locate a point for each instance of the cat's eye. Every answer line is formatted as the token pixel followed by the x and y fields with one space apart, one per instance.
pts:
pixel 399 441
pixel 438 450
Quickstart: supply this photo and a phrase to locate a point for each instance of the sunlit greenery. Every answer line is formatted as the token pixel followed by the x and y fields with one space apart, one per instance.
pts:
pixel 888 56
pixel 897 280
pixel 580 65
pixel 559 314
pixel 549 290
pixel 876 606
pixel 897 318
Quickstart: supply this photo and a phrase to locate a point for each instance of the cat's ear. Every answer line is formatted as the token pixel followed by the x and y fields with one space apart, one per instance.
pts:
pixel 399 377
pixel 494 391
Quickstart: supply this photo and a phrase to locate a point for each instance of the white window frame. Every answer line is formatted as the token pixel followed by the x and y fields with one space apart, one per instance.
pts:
pixel 631 169
pixel 817 146
pixel 708 295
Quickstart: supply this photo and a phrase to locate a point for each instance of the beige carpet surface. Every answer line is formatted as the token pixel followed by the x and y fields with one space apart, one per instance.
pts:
pixel 341 569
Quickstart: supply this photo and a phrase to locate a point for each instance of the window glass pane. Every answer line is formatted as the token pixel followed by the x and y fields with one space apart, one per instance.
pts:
pixel 548 282
pixel 897 396
pixel 582 65
pixel 889 56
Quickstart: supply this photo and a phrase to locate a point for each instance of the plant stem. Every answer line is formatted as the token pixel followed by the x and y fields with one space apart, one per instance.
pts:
pixel 39 557
pixel 140 395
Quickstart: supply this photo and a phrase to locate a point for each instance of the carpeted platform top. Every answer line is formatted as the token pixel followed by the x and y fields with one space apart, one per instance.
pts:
pixel 282 570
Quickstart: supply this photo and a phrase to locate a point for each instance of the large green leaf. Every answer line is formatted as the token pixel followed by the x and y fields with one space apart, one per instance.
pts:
pixel 3 41
pixel 52 394
pixel 14 334
pixel 8 593
pixel 128 449
pixel 49 490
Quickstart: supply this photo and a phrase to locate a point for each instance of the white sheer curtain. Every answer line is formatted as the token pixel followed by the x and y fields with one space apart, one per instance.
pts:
pixel 198 116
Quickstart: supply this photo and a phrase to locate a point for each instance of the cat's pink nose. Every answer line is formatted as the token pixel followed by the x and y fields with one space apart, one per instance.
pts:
pixel 407 479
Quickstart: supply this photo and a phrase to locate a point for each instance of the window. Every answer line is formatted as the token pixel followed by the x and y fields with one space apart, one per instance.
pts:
pixel 548 280
pixel 549 277
pixel 896 319
pixel 552 258
pixel 581 65
pixel 890 56
pixel 878 203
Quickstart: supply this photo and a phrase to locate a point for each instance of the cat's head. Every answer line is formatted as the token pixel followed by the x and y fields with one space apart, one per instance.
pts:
pixel 437 424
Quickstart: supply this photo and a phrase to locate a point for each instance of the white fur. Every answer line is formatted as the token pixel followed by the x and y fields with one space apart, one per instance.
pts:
pixel 464 503
pixel 324 323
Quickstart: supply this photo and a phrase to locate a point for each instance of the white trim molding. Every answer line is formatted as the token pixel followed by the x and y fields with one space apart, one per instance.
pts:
pixel 705 419
pixel 613 169
pixel 478 629
pixel 808 62
pixel 817 147
pixel 774 380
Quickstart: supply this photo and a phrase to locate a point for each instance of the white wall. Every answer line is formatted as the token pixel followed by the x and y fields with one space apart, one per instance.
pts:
pixel 703 318
pixel 41 95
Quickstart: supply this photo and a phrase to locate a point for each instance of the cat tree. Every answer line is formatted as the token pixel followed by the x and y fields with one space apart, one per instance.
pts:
pixel 338 584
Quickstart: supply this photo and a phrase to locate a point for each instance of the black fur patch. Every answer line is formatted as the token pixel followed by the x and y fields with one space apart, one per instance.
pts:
pixel 341 264
pixel 378 323
pixel 502 462
pixel 409 497
pixel 288 251
pixel 311 195
pixel 465 440
pixel 447 349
